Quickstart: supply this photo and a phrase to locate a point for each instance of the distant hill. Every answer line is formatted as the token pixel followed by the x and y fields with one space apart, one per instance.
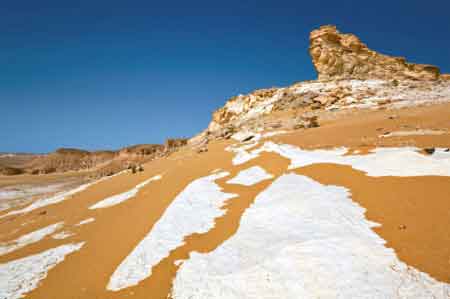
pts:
pixel 103 162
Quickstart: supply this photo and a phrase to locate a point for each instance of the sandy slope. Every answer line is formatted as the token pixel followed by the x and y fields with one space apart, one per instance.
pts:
pixel 413 211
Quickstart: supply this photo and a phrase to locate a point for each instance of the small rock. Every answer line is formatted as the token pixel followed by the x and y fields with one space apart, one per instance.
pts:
pixel 133 169
pixel 402 227
pixel 316 105
pixel 429 150
pixel 306 122
pixel 202 149
pixel 247 138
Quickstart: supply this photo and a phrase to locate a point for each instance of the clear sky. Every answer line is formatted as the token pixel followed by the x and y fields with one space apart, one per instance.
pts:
pixel 105 74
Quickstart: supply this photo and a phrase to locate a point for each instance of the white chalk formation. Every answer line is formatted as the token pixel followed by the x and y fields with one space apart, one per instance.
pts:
pixel 192 211
pixel 301 239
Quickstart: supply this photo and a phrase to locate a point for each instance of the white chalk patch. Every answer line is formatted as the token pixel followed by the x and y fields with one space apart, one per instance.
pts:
pixel 241 151
pixel 56 198
pixel 301 239
pixel 28 190
pixel 250 176
pixel 192 211
pixel 243 135
pixel 62 235
pixel 30 238
pixel 10 194
pixel 85 221
pixel 413 133
pixel 48 201
pixel 254 136
pixel 406 161
pixel 273 133
pixel 119 198
pixel 21 276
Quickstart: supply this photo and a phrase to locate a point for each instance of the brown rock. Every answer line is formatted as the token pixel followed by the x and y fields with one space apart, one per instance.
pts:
pixel 445 77
pixel 306 122
pixel 325 100
pixel 202 149
pixel 11 171
pixel 429 150
pixel 343 56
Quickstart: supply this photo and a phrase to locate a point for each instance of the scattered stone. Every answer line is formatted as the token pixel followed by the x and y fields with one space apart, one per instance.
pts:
pixel 307 122
pixel 291 100
pixel 316 106
pixel 402 227
pixel 429 150
pixel 202 149
pixel 172 144
pixel 248 138
pixel 384 102
pixel 325 100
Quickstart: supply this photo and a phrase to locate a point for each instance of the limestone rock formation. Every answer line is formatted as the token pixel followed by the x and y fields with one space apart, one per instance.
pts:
pixel 343 56
pixel 350 75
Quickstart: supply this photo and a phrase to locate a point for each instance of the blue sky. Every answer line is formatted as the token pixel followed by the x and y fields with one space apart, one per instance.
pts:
pixel 106 74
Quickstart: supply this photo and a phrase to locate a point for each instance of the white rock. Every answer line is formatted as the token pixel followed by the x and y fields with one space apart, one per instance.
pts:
pixel 250 176
pixel 301 239
pixel 192 211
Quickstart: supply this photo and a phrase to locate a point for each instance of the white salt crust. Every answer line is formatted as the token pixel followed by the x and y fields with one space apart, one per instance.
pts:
pixel 63 235
pixel 85 221
pixel 119 198
pixel 413 133
pixel 48 201
pixel 192 211
pixel 21 276
pixel 301 239
pixel 250 176
pixel 56 198
pixel 24 191
pixel 241 152
pixel 30 238
pixel 405 161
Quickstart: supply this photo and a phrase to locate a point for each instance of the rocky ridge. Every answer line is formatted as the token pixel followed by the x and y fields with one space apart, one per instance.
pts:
pixel 350 76
pixel 102 162
pixel 343 56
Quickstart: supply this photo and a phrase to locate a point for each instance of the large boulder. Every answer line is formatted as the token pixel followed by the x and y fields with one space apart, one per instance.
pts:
pixel 343 56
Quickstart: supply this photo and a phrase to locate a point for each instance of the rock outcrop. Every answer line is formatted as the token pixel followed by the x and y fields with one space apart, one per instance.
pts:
pixel 350 75
pixel 343 56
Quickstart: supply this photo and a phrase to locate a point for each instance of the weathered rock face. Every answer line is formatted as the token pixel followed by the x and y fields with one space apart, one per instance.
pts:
pixel 350 75
pixel 174 143
pixel 343 56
